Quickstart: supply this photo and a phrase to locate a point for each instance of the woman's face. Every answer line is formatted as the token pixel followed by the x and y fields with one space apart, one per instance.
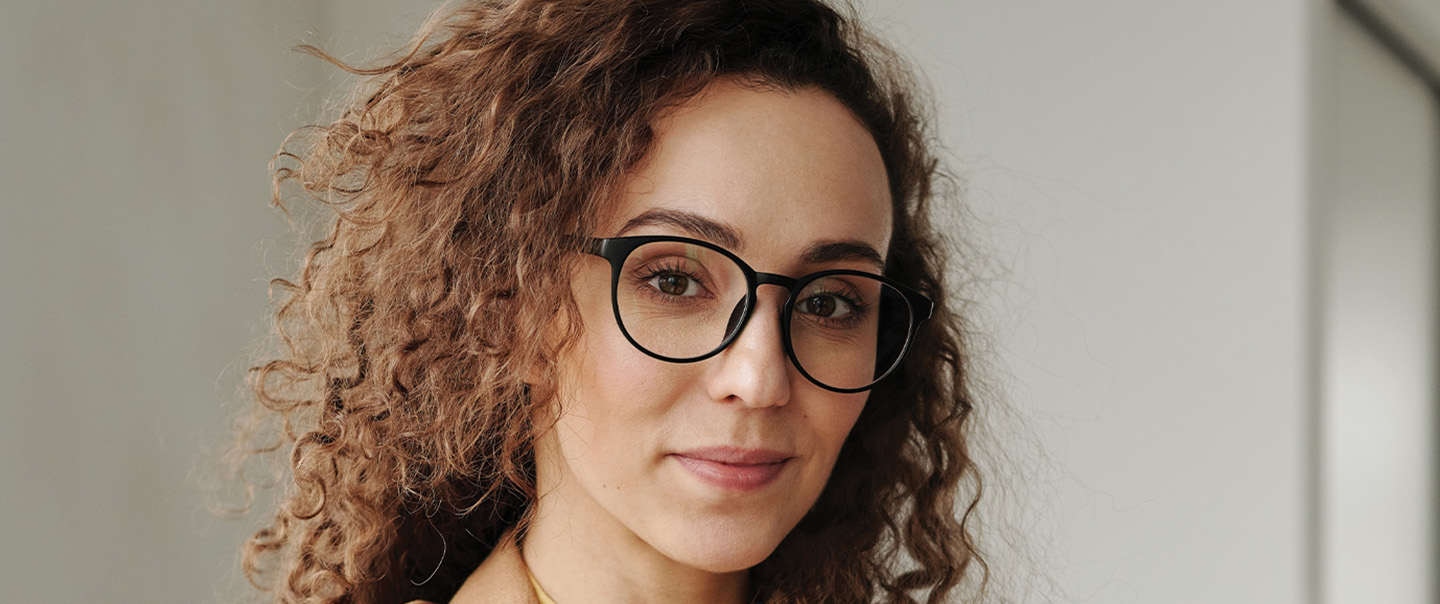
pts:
pixel 710 464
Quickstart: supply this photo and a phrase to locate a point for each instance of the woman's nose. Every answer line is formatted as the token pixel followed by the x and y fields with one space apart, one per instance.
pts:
pixel 753 370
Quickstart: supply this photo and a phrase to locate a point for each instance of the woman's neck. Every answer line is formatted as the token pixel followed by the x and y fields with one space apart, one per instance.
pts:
pixel 580 553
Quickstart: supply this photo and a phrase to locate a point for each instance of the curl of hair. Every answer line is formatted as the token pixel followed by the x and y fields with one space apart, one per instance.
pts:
pixel 419 335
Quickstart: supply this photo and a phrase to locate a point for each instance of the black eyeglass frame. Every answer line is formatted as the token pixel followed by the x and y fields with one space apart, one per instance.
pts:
pixel 617 249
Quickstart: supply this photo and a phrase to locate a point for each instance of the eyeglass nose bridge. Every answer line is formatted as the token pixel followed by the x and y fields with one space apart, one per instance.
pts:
pixel 774 279
pixel 740 316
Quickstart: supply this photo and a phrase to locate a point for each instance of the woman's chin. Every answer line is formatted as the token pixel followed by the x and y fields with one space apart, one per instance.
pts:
pixel 721 554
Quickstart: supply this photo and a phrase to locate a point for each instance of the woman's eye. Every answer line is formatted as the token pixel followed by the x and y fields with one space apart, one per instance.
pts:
pixel 675 284
pixel 826 306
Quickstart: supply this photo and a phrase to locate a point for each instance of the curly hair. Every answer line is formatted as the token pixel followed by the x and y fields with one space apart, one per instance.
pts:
pixel 412 366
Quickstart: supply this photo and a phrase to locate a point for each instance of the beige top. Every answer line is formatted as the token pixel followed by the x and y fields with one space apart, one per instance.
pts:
pixel 539 591
pixel 501 579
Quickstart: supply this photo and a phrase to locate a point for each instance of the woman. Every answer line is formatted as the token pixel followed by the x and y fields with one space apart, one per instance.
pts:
pixel 625 301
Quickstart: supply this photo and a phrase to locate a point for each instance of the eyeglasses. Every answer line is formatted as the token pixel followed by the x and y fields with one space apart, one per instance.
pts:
pixel 684 300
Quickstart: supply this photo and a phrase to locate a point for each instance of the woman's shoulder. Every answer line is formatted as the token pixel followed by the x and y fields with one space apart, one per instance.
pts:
pixel 500 579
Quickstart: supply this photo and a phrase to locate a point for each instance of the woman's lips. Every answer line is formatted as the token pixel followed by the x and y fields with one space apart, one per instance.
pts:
pixel 732 468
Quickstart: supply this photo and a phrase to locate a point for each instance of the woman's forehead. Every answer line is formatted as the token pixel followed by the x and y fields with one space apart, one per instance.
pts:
pixel 773 166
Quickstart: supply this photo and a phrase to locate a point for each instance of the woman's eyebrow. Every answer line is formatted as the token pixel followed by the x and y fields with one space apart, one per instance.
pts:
pixel 820 252
pixel 824 252
pixel 699 226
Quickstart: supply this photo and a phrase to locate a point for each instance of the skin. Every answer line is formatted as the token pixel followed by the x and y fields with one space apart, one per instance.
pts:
pixel 620 518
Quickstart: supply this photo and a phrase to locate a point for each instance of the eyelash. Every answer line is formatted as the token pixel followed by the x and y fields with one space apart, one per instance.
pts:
pixel 643 277
pixel 646 273
pixel 857 308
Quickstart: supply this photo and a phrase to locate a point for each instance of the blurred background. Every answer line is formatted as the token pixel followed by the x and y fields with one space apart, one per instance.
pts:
pixel 1212 323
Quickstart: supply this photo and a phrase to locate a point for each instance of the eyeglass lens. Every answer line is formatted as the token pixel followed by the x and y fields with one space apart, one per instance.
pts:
pixel 682 301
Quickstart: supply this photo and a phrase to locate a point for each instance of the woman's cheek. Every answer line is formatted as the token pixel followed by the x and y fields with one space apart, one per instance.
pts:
pixel 617 406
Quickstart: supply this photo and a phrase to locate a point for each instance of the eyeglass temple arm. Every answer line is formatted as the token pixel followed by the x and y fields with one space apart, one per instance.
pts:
pixel 589 245
pixel 926 310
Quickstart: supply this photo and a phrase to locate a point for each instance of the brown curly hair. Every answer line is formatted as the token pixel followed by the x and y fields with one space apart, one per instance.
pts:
pixel 456 175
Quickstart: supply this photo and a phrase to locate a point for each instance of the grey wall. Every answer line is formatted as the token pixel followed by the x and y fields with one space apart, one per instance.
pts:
pixel 1417 22
pixel 136 241
pixel 1142 169
pixel 1376 194
pixel 133 232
